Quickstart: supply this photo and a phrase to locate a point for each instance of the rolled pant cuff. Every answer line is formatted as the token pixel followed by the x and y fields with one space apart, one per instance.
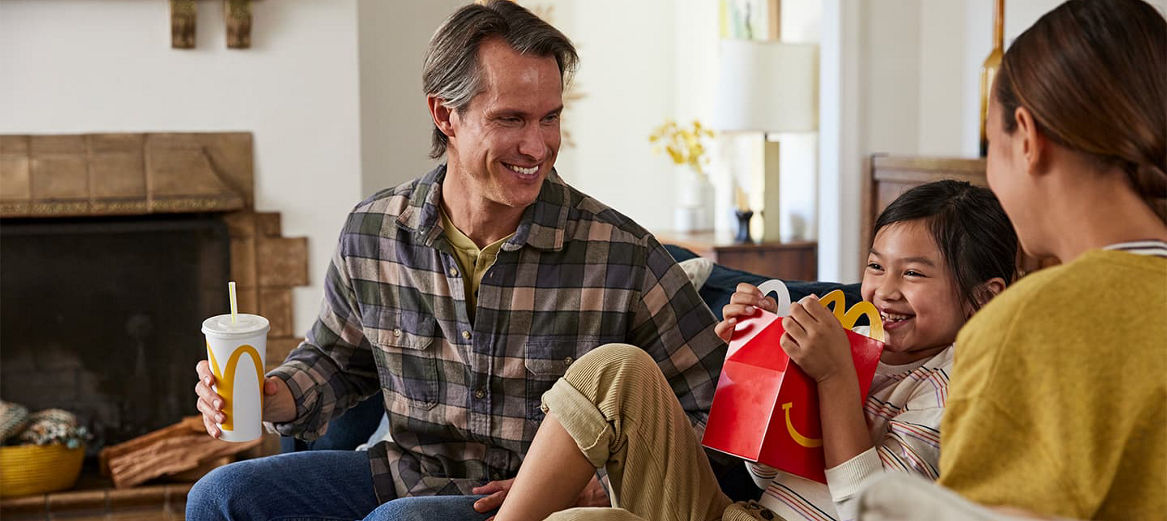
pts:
pixel 581 418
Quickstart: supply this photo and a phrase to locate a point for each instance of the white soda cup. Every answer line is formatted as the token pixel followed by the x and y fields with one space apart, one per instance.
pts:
pixel 236 353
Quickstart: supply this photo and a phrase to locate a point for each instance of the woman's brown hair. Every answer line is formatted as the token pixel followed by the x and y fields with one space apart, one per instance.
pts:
pixel 1094 75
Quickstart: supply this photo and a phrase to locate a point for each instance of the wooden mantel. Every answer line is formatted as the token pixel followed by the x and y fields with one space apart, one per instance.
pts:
pixel 70 175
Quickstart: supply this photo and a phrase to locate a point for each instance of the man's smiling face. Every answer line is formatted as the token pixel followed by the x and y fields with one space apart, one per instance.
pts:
pixel 505 142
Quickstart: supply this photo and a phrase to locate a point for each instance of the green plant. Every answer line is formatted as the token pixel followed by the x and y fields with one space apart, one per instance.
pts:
pixel 684 145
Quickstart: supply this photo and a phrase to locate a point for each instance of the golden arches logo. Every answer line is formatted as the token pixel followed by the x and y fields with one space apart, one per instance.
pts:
pixel 225 380
pixel 798 438
pixel 834 301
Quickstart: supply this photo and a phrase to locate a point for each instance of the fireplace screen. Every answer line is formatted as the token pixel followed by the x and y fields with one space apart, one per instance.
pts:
pixel 101 317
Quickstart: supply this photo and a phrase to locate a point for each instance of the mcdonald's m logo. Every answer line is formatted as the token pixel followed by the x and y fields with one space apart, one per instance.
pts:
pixel 225 380
pixel 834 302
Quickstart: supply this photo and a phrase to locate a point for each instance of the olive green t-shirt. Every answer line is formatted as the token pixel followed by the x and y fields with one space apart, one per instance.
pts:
pixel 471 260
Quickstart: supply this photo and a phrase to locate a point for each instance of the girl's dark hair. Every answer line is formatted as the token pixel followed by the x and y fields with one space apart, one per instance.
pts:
pixel 969 227
pixel 1093 75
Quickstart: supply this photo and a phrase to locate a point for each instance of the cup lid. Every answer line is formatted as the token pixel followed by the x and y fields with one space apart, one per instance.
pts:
pixel 245 324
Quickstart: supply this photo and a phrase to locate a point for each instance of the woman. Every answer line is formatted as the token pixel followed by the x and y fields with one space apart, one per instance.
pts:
pixel 1058 399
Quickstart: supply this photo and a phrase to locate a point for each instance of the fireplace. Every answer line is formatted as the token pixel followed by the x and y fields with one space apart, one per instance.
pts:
pixel 115 247
pixel 96 316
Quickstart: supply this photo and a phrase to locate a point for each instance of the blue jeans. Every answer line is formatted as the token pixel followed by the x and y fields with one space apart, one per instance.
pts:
pixel 319 485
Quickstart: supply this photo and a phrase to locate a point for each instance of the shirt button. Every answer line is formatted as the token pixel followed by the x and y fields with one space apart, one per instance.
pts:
pixel 466 335
pixel 480 394
pixel 568 360
pixel 453 272
pixel 397 332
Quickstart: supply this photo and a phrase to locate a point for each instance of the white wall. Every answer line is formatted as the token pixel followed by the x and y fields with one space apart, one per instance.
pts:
pixel 840 131
pixel 82 66
pixel 890 68
pixel 942 75
pixel 626 76
pixel 395 125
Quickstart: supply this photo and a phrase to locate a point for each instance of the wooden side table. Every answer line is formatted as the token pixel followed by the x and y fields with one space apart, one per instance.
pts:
pixel 780 260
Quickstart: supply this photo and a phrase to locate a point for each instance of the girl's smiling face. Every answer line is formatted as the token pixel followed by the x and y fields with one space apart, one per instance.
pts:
pixel 915 292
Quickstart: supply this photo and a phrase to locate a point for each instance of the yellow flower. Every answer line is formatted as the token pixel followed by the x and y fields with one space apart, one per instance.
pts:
pixel 685 146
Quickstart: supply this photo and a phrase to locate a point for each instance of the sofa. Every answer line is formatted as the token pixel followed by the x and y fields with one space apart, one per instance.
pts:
pixel 357 425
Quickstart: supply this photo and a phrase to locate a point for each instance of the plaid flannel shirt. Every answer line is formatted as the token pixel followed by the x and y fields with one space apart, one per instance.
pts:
pixel 463 397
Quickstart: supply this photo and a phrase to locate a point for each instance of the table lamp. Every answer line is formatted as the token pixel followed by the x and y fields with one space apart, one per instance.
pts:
pixel 767 87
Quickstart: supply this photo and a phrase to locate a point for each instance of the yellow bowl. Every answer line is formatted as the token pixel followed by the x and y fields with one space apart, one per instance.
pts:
pixel 37 469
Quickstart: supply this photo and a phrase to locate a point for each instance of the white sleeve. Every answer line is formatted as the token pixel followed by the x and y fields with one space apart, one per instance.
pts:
pixel 848 479
pixel 911 444
pixel 761 474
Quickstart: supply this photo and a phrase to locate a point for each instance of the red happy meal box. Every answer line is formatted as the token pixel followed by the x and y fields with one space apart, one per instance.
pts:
pixel 765 408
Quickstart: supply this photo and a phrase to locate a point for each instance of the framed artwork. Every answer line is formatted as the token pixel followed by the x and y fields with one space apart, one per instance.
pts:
pixel 750 19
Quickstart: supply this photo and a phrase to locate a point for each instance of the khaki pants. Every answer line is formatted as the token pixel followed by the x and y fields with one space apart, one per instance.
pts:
pixel 625 418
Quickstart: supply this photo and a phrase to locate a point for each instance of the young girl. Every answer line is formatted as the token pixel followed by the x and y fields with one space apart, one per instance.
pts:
pixel 1058 400
pixel 940 252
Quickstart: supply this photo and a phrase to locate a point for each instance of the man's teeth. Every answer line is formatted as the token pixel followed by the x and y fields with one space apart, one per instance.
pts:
pixel 525 171
pixel 893 316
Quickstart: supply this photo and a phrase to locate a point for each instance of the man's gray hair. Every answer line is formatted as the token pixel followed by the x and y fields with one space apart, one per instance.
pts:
pixel 452 71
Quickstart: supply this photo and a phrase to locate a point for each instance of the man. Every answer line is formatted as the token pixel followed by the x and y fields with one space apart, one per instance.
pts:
pixel 463 296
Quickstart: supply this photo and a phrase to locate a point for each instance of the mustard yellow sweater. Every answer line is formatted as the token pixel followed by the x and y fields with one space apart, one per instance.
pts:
pixel 1058 399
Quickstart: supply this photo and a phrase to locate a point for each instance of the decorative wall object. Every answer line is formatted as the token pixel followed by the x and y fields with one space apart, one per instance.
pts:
pixel 183 17
pixel 184 20
pixel 238 18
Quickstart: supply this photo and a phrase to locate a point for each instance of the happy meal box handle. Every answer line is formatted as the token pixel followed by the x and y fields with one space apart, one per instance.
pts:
pixel 782 295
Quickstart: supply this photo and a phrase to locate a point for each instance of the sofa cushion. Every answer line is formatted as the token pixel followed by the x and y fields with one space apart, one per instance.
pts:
pixel 722 281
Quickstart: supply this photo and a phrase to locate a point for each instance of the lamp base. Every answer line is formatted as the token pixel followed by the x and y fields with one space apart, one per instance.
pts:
pixel 743 226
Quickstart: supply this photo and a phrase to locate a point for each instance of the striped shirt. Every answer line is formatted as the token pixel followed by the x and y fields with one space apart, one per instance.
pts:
pixel 903 410
pixel 1149 247
pixel 462 395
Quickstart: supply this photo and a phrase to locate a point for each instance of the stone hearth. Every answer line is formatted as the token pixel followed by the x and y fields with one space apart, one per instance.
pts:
pixel 142 174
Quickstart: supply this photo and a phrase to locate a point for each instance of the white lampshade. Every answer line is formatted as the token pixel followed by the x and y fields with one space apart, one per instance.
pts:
pixel 767 86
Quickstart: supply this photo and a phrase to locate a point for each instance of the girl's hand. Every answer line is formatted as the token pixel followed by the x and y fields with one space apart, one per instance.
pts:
pixel 816 341
pixel 742 304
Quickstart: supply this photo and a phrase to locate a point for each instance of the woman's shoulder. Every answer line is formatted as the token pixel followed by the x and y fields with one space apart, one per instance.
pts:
pixel 1079 287
pixel 1069 312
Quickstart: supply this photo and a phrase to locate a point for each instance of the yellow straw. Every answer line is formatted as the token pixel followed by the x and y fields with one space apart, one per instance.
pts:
pixel 234 304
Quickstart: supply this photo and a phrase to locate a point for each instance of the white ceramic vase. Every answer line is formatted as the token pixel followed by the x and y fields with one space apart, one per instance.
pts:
pixel 694 209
